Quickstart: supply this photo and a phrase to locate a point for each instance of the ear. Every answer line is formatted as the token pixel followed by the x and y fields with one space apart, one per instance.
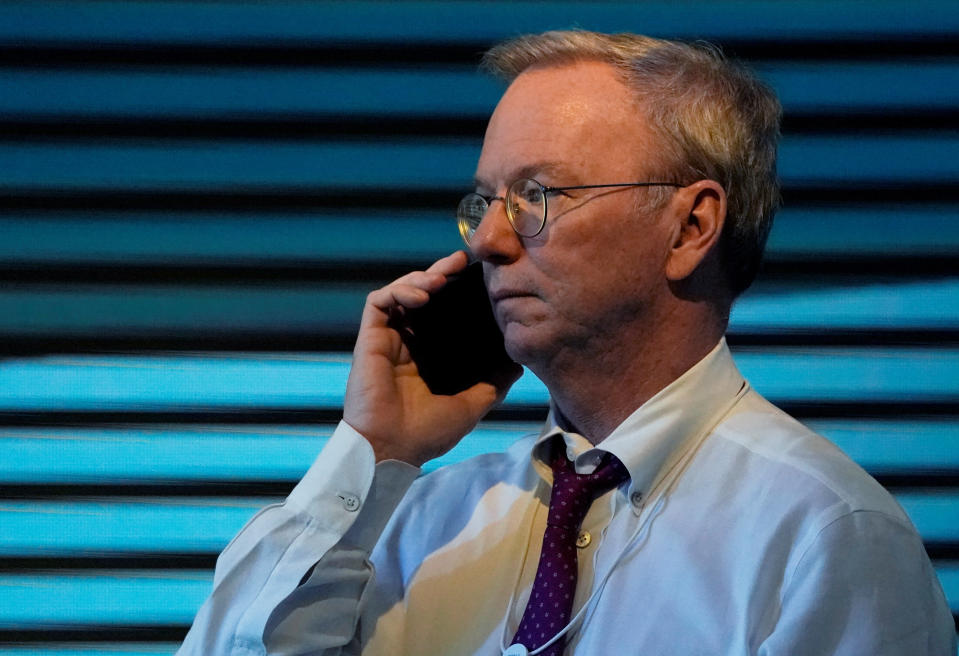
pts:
pixel 700 211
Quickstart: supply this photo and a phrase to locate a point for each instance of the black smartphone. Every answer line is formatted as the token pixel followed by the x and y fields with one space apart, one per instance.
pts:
pixel 454 339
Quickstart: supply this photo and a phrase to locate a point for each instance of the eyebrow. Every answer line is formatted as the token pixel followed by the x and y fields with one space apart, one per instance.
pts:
pixel 530 171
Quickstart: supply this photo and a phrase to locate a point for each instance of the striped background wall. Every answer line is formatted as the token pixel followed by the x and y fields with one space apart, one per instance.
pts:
pixel 195 198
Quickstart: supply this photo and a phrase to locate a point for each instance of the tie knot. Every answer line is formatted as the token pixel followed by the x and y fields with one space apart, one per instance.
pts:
pixel 574 493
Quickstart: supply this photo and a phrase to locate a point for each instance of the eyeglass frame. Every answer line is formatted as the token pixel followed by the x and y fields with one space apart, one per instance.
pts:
pixel 460 221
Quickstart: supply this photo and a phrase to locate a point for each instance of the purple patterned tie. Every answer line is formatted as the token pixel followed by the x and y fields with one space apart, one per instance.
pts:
pixel 551 600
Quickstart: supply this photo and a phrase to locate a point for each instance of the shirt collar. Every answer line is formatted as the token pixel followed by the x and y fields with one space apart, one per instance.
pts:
pixel 662 429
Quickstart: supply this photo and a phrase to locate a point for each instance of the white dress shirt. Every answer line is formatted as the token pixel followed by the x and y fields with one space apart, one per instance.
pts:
pixel 739 532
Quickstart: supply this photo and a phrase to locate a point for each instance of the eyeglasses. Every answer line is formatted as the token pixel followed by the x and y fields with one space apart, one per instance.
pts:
pixel 526 205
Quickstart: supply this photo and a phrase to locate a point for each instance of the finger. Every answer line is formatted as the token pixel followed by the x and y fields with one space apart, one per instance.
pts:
pixel 451 264
pixel 398 294
pixel 484 395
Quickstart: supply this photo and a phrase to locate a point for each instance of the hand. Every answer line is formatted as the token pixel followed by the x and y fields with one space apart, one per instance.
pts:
pixel 386 400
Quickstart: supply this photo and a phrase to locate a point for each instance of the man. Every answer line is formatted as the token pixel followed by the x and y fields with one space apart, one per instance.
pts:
pixel 625 189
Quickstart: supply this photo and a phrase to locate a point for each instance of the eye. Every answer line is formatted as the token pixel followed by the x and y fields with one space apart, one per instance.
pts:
pixel 532 194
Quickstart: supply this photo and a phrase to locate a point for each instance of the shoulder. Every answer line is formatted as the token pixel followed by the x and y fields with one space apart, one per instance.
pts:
pixel 794 459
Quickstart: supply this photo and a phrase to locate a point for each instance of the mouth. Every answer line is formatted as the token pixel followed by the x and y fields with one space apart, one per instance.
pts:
pixel 503 294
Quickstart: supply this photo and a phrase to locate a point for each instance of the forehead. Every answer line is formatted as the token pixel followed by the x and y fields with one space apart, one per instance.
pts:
pixel 577 119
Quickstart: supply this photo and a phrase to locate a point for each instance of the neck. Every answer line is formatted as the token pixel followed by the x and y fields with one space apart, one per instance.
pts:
pixel 596 389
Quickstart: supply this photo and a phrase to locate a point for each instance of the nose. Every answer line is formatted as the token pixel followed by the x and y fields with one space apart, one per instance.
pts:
pixel 494 239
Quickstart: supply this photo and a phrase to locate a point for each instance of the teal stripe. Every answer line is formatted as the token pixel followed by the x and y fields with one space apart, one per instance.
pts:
pixel 88 528
pixel 472 20
pixel 235 164
pixel 928 230
pixel 318 381
pixel 235 452
pixel 895 445
pixel 415 238
pixel 207 525
pixel 230 92
pixel 154 454
pixel 226 92
pixel 324 308
pixel 866 305
pixel 935 513
pixel 152 597
pixel 89 649
pixel 48 600
pixel 445 164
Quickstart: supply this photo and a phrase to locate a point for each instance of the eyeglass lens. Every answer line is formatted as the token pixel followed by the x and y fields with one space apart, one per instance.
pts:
pixel 525 208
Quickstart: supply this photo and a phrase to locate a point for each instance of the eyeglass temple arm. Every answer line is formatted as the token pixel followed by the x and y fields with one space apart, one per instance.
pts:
pixel 616 184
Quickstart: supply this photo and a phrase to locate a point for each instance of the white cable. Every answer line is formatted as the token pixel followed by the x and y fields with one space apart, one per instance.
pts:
pixel 670 479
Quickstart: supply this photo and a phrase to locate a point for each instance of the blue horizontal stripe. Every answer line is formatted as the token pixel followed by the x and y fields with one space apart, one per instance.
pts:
pixel 112 598
pixel 928 230
pixel 230 92
pixel 445 164
pixel 225 93
pixel 199 525
pixel 88 649
pixel 399 236
pixel 318 308
pixel 772 308
pixel 224 452
pixel 895 445
pixel 317 381
pixel 199 165
pixel 158 309
pixel 409 237
pixel 472 20
pixel 220 452
pixel 935 513
pixel 108 598
pixel 155 454
pixel 155 524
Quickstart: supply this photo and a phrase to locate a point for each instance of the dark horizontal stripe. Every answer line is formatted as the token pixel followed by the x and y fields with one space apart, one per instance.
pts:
pixel 877 410
pixel 239 200
pixel 260 127
pixel 306 341
pixel 847 270
pixel 94 633
pixel 277 342
pixel 883 120
pixel 80 128
pixel 245 416
pixel 876 47
pixel 22 564
pixel 194 561
pixel 170 488
pixel 918 479
pixel 855 268
pixel 269 199
pixel 942 550
pixel 242 55
pixel 931 478
pixel 157 274
pixel 876 337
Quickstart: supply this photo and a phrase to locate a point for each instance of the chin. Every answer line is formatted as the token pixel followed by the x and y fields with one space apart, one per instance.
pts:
pixel 526 345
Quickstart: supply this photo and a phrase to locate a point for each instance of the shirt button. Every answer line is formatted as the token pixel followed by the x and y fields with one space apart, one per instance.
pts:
pixel 583 539
pixel 636 498
pixel 350 501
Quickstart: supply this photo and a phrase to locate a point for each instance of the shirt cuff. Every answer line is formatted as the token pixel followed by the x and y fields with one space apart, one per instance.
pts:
pixel 347 490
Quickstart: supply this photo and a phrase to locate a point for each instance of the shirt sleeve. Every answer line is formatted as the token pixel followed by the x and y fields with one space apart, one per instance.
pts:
pixel 312 547
pixel 863 586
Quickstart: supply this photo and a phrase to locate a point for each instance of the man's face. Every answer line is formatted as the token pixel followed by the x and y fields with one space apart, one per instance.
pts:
pixel 591 277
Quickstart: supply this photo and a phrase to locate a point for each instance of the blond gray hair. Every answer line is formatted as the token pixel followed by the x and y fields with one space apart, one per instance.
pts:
pixel 717 121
